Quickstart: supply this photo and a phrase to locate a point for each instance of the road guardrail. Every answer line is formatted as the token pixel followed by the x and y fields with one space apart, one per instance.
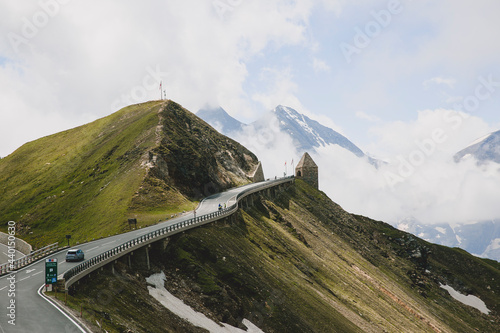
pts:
pixel 28 259
pixel 77 272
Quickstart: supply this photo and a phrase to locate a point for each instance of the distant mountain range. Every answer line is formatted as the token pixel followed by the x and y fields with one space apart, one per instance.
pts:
pixel 483 150
pixel 292 261
pixel 220 120
pixel 481 239
pixel 307 134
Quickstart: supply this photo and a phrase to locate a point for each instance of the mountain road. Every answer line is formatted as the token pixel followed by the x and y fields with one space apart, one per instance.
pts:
pixel 23 308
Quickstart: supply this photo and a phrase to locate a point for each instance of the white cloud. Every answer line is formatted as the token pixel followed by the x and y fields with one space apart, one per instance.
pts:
pixel 427 184
pixel 89 58
pixel 368 117
pixel 279 88
pixel 421 180
pixel 93 57
pixel 437 191
pixel 455 129
pixel 450 82
pixel 320 66
pixel 272 147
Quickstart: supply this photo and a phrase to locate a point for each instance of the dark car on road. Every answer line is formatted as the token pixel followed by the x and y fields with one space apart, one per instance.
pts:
pixel 75 255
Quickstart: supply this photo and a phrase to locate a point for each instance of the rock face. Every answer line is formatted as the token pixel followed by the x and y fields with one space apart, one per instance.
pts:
pixel 144 161
pixel 197 156
pixel 297 262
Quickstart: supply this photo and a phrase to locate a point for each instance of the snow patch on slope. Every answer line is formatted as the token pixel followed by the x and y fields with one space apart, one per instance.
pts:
pixel 441 230
pixel 469 300
pixel 182 310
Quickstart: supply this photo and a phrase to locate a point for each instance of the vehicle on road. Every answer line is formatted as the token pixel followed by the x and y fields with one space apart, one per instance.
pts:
pixel 75 255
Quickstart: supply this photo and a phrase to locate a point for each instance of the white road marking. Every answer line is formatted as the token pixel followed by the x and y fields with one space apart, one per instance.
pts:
pixel 108 243
pixel 30 270
pixel 24 278
pixel 3 288
pixel 36 273
pixel 92 249
pixel 60 310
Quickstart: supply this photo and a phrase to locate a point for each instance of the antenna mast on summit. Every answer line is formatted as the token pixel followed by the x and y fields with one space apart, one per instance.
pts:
pixel 161 91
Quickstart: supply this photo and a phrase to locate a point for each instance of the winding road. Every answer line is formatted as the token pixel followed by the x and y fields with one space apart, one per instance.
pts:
pixel 23 308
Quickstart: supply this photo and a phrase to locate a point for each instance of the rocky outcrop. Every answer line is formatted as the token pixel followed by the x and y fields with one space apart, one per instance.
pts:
pixel 258 174
pixel 193 155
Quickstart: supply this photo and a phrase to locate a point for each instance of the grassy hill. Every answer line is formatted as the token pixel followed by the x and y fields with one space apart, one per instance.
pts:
pixel 295 263
pixel 145 161
pixel 300 263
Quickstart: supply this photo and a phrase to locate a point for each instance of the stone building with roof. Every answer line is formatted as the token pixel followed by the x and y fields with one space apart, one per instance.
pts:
pixel 307 170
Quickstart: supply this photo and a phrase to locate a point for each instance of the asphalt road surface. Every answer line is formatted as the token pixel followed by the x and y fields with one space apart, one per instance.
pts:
pixel 3 254
pixel 21 302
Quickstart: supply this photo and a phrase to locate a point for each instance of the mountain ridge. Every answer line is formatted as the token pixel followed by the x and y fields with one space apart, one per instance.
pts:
pixel 147 161
pixel 299 263
pixel 485 149
pixel 294 260
pixel 481 239
pixel 220 120
pixel 307 134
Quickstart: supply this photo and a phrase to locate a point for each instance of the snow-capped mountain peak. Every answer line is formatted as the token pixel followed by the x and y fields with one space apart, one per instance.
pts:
pixel 484 149
pixel 308 134
pixel 220 120
pixel 284 112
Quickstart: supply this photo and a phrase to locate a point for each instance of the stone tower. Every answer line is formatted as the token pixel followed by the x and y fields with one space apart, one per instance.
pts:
pixel 307 170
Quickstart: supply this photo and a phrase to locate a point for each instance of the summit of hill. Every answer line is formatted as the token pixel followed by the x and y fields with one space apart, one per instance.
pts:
pixel 146 161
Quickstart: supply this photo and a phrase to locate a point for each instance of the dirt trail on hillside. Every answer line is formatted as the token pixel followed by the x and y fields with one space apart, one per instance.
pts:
pixel 399 301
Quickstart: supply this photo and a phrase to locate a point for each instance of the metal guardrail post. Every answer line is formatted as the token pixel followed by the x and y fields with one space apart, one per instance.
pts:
pixel 27 259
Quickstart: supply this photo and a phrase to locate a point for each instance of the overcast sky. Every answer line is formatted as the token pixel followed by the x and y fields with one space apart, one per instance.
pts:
pixel 361 67
pixel 401 79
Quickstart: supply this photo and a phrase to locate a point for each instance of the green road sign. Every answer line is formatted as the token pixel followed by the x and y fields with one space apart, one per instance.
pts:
pixel 50 271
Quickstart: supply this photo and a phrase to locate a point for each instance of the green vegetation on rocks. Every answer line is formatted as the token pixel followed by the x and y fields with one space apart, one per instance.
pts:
pixel 300 263
pixel 296 262
pixel 146 161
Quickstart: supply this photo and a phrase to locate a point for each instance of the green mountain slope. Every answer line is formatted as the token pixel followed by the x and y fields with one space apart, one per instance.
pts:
pixel 145 161
pixel 300 263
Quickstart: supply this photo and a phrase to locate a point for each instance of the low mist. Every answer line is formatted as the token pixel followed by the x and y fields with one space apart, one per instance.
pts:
pixel 416 177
